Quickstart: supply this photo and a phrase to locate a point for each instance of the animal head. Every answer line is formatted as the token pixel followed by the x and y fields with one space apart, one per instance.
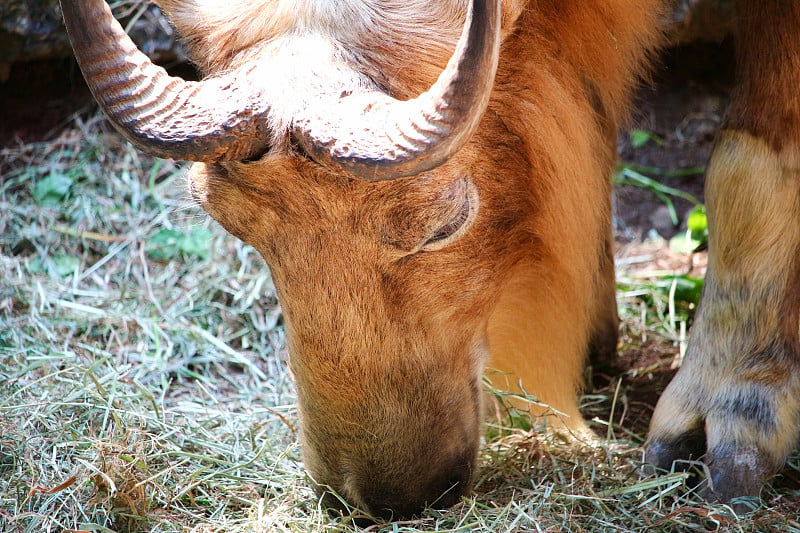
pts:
pixel 386 289
pixel 386 223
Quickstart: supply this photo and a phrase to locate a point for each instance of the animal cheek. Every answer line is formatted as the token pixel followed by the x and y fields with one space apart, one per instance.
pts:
pixel 242 225
pixel 210 186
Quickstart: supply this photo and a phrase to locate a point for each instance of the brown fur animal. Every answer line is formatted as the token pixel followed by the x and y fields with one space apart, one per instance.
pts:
pixel 736 399
pixel 486 241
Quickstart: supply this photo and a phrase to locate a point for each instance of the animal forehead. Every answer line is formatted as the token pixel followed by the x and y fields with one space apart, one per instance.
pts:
pixel 218 29
pixel 302 188
pixel 263 19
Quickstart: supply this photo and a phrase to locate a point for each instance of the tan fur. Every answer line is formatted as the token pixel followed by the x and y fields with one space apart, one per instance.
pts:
pixel 415 38
pixel 764 231
pixel 541 328
pixel 388 339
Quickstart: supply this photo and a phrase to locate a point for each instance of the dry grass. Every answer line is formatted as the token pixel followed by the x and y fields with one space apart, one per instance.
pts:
pixel 143 388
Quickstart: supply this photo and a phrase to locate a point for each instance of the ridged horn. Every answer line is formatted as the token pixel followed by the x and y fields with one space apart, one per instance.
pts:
pixel 225 117
pixel 377 137
pixel 219 118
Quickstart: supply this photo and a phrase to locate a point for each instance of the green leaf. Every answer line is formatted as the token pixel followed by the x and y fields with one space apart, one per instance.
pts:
pixel 61 265
pixel 51 190
pixel 36 266
pixel 65 265
pixel 197 242
pixel 697 222
pixel 627 175
pixel 170 244
pixel 696 236
pixel 687 289
pixel 684 243
pixel 641 137
pixel 519 420
pixel 164 245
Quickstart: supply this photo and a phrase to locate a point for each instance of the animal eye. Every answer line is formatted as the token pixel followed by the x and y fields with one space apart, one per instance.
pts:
pixel 454 228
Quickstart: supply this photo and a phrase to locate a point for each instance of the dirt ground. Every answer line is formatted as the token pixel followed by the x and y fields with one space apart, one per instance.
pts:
pixel 684 106
pixel 38 99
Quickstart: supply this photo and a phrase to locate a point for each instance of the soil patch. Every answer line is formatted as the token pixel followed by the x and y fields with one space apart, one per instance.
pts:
pixel 683 108
pixel 38 99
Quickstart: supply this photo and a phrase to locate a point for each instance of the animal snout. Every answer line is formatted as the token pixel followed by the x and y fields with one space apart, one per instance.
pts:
pixel 387 499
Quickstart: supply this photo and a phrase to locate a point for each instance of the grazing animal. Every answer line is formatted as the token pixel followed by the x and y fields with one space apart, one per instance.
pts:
pixel 429 184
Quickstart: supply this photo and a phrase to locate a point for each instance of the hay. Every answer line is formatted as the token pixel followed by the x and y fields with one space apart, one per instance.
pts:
pixel 143 387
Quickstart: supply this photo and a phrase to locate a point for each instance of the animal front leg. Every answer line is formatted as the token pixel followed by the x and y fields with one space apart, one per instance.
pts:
pixel 736 399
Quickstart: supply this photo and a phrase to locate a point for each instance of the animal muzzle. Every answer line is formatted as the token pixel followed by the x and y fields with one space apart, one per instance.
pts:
pixel 388 498
pixel 397 473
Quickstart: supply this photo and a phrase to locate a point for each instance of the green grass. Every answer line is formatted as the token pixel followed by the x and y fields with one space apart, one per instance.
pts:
pixel 143 385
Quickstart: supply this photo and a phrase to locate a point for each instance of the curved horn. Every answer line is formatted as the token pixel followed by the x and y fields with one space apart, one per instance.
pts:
pixel 377 137
pixel 226 117
pixel 220 118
